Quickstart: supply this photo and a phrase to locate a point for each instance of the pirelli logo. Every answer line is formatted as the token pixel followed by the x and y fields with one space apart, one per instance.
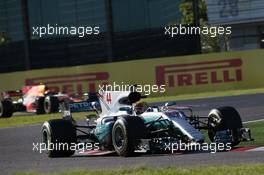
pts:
pixel 72 83
pixel 200 73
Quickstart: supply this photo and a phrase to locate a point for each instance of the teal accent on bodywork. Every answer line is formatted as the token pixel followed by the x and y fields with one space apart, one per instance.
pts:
pixel 103 130
pixel 150 119
pixel 161 124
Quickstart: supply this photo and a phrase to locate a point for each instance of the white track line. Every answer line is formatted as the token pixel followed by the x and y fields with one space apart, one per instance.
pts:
pixel 256 149
pixel 253 121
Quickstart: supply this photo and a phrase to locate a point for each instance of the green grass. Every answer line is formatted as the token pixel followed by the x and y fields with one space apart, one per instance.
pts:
pixel 257 132
pixel 243 169
pixel 205 95
pixel 33 119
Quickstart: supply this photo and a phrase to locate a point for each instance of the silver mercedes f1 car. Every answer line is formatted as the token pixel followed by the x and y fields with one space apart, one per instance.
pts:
pixel 124 125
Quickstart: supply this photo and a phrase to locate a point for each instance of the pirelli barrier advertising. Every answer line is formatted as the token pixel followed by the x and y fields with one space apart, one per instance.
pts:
pixel 179 75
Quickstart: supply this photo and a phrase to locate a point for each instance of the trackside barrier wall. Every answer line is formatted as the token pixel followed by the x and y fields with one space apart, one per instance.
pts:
pixel 180 75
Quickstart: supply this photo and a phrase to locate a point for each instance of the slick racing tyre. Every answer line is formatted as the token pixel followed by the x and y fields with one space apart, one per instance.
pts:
pixel 225 118
pixel 40 105
pixel 125 133
pixel 51 104
pixel 58 135
pixel 6 108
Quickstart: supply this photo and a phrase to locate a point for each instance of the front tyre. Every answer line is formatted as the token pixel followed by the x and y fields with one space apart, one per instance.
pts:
pixel 40 105
pixel 225 118
pixel 58 135
pixel 125 134
pixel 51 104
pixel 123 144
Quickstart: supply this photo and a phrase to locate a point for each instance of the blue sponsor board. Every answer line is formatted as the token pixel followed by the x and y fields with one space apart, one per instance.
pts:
pixel 82 106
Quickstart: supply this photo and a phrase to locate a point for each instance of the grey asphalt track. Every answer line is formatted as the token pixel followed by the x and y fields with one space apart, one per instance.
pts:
pixel 16 145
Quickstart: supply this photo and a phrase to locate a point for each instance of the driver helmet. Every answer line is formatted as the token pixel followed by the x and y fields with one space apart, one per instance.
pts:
pixel 141 107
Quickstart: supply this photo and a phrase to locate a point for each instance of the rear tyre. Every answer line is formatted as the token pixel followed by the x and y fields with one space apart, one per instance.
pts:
pixel 6 108
pixel 51 104
pixel 58 135
pixel 225 118
pixel 125 133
